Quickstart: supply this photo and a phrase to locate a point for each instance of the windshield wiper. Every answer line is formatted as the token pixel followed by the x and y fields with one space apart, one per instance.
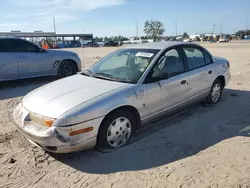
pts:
pixel 110 77
pixel 105 76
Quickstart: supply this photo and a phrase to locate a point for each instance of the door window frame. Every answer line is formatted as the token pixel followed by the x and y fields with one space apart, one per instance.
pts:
pixel 181 56
pixel 198 48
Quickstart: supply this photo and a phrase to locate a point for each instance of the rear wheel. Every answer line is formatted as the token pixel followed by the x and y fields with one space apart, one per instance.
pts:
pixel 67 68
pixel 117 130
pixel 215 92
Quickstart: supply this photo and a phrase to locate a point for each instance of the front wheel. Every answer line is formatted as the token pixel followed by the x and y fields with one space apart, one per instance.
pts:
pixel 67 68
pixel 118 129
pixel 215 92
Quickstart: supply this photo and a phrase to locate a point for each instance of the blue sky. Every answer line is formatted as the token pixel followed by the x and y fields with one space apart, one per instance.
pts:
pixel 114 17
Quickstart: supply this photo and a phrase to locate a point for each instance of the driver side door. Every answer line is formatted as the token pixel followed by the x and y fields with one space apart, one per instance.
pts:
pixel 167 84
pixel 31 62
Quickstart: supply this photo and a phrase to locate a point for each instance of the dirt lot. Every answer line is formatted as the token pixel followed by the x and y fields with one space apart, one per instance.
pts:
pixel 200 147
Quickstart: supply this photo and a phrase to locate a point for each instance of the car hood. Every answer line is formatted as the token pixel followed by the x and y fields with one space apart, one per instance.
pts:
pixel 56 98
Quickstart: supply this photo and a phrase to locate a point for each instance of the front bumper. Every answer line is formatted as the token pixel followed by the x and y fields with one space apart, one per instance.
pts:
pixel 56 139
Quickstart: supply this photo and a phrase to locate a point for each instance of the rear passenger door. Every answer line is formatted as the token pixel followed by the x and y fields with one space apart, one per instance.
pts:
pixel 200 69
pixel 8 61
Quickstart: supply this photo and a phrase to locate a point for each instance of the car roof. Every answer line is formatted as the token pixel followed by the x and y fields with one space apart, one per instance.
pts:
pixel 159 45
pixel 9 37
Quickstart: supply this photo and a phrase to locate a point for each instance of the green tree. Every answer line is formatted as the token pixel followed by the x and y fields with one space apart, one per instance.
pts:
pixel 185 35
pixel 154 29
pixel 242 33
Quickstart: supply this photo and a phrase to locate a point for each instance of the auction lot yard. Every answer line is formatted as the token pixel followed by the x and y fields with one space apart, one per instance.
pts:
pixel 202 146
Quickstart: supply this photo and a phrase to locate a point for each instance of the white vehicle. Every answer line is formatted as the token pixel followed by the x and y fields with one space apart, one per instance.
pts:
pixel 223 39
pixel 187 40
pixel 22 59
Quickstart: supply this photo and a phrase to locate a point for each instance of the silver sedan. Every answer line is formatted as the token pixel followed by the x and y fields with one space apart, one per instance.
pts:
pixel 105 105
pixel 22 59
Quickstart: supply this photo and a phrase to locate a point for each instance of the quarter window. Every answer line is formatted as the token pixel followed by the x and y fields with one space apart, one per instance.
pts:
pixel 208 58
pixel 195 57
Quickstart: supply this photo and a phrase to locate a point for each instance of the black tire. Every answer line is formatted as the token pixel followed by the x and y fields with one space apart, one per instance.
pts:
pixel 67 68
pixel 102 138
pixel 210 99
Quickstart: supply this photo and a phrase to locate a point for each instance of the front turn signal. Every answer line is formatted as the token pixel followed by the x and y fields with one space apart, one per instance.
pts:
pixel 80 131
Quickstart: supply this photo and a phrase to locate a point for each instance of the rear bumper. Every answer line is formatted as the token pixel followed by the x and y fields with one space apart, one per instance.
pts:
pixel 56 139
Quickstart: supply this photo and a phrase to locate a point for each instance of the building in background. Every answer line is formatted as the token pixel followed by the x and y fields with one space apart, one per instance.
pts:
pixel 62 40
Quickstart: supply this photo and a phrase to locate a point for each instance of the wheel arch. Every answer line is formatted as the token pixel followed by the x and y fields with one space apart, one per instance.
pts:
pixel 129 108
pixel 222 79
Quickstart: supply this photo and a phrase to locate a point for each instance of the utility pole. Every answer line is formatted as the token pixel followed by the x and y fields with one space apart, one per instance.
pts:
pixel 221 29
pixel 213 28
pixel 54 22
pixel 137 31
pixel 176 28
pixel 246 28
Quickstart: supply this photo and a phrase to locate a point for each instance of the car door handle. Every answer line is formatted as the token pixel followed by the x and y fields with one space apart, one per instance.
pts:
pixel 210 72
pixel 183 82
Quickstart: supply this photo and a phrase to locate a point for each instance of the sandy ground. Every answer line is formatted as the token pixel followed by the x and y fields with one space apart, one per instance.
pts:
pixel 199 147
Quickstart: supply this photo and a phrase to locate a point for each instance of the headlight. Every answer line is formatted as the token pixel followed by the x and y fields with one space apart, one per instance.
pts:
pixel 40 120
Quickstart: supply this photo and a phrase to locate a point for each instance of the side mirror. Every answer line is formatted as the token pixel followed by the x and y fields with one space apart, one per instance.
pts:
pixel 152 78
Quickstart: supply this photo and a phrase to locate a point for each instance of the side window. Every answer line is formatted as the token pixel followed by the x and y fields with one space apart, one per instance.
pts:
pixel 6 45
pixel 195 57
pixel 170 64
pixel 24 46
pixel 207 57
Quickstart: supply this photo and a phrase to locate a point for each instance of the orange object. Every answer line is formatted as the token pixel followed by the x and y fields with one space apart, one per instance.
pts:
pixel 73 133
pixel 45 46
pixel 48 123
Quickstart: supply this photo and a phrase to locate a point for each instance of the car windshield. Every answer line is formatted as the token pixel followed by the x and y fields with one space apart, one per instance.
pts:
pixel 125 65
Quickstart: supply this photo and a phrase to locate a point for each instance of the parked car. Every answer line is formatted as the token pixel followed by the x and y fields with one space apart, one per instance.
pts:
pixel 91 44
pixel 187 40
pixel 105 105
pixel 22 59
pixel 111 43
pixel 223 39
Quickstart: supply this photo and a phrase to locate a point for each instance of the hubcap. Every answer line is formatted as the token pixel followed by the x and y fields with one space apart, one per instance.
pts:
pixel 67 69
pixel 119 132
pixel 216 92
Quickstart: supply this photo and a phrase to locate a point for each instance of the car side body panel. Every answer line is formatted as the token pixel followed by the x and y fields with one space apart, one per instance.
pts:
pixel 19 65
pixel 8 66
pixel 151 100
